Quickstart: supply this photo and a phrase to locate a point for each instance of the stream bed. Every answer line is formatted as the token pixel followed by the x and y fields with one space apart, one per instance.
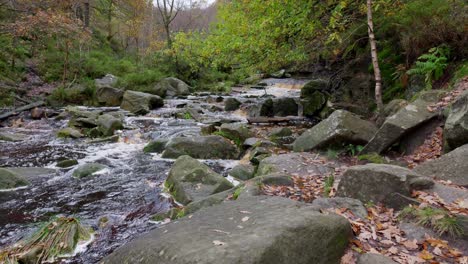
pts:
pixel 117 203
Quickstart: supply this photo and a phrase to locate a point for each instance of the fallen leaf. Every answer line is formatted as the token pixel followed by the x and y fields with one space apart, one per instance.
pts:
pixel 426 255
pixel 411 244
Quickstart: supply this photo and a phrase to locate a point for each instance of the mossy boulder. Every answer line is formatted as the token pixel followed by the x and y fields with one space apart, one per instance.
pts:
pixel 140 103
pixel 156 146
pixel 11 180
pixel 313 104
pixel 171 87
pixel 381 183
pixel 67 163
pixel 236 131
pixel 190 180
pixel 69 132
pixel 87 170
pixel 231 104
pixel 242 172
pixel 309 90
pixel 206 147
pixel 109 96
pixel 341 127
pixel 452 166
pixel 456 126
pixel 285 106
pixel 107 124
pixel 403 122
pixel 264 229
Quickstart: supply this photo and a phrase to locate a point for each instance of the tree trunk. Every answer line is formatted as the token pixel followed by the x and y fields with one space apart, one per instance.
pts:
pixel 375 60
pixel 168 35
pixel 86 14
pixel 109 20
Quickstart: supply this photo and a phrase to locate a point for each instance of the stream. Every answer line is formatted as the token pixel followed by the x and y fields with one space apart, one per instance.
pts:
pixel 119 202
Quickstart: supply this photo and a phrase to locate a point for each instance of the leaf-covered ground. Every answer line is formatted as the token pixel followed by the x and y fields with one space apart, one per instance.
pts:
pixel 380 231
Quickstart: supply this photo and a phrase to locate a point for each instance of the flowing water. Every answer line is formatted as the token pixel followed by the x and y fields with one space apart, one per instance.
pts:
pixel 119 201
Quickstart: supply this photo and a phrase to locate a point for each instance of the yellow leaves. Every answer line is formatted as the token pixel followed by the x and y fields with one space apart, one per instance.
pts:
pixel 426 255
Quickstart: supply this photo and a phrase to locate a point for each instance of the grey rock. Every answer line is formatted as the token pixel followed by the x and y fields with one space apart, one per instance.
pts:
pixel 107 124
pixel 267 236
pixel 171 87
pixel 394 106
pixel 108 80
pixel 293 164
pixel 10 179
pixel 87 170
pixel 257 142
pixel 236 131
pixel 207 147
pixel 397 125
pixel 372 258
pixel 156 146
pixel 339 128
pixel 258 154
pixel 140 103
pixel 109 96
pixel 452 166
pixel 190 180
pixel 456 126
pixel 381 183
pixel 354 205
pixel 242 172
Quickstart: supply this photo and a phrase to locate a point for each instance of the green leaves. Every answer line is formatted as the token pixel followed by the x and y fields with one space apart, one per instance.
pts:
pixel 431 64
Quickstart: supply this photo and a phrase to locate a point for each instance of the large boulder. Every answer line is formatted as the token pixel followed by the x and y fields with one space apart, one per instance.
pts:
pixel 243 172
pixel 109 96
pixel 208 147
pixel 381 183
pixel 261 230
pixel 10 179
pixel 452 166
pixel 285 106
pixel 340 127
pixel 301 164
pixel 190 180
pixel 107 124
pixel 456 126
pixel 313 104
pixel 309 90
pixel 108 80
pixel 236 131
pixel 402 123
pixel 171 87
pixel 140 103
pixel 231 104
